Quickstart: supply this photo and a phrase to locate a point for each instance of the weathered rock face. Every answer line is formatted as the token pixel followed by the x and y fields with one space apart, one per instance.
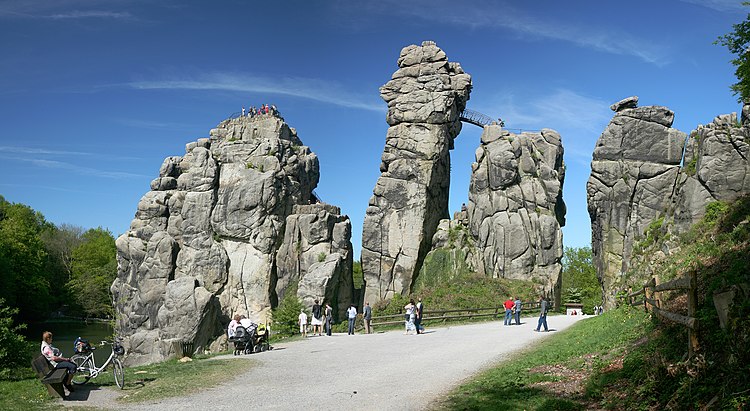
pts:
pixel 317 256
pixel 716 168
pixel 637 178
pixel 633 175
pixel 425 98
pixel 516 209
pixel 203 243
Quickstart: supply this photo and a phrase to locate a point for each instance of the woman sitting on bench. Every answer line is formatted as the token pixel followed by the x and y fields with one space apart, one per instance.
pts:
pixel 57 360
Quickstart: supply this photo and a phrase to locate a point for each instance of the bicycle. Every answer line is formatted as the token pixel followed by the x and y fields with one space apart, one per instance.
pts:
pixel 87 368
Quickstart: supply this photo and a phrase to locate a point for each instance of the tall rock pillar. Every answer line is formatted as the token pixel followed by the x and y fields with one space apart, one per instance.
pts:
pixel 516 209
pixel 634 173
pixel 425 97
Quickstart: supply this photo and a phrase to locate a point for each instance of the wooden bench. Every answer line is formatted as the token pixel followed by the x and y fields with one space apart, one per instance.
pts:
pixel 49 376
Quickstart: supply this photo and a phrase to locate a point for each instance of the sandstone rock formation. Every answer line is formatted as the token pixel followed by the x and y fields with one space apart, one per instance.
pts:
pixel 639 176
pixel 516 209
pixel 633 174
pixel 716 168
pixel 425 98
pixel 317 256
pixel 203 243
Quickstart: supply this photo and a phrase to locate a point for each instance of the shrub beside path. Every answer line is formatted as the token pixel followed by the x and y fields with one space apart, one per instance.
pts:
pixel 386 370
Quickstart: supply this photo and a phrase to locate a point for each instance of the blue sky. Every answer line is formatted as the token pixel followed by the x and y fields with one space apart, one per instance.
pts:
pixel 95 94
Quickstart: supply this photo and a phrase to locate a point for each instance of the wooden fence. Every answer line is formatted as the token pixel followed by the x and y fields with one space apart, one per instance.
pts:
pixel 651 302
pixel 431 316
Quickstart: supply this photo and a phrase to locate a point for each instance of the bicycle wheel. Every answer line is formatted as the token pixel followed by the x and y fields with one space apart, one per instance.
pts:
pixel 119 372
pixel 84 364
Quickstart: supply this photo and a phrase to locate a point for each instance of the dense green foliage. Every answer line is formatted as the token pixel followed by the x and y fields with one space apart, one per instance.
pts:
pixel 23 261
pixel 286 315
pixel 358 277
pixel 12 344
pixel 737 42
pixel 61 267
pixel 579 282
pixel 93 269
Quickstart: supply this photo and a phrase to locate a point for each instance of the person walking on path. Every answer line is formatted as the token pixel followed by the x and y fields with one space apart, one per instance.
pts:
pixel 409 316
pixel 367 317
pixel 317 318
pixel 517 308
pixel 508 304
pixel 352 313
pixel 329 319
pixel 302 320
pixel 543 306
pixel 419 311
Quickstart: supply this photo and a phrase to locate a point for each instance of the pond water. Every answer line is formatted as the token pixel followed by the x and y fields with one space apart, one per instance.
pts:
pixel 65 332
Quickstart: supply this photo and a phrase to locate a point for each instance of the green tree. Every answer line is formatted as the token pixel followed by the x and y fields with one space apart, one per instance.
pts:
pixel 286 315
pixel 22 260
pixel 12 344
pixel 93 269
pixel 737 42
pixel 579 278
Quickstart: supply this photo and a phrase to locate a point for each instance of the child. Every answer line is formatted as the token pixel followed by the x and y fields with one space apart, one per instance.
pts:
pixel 303 323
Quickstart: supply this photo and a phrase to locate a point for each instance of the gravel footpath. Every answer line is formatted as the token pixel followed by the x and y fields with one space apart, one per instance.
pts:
pixel 387 370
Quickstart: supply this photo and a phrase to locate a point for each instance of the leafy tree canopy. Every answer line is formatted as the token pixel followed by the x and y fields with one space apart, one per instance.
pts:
pixel 738 42
pixel 580 283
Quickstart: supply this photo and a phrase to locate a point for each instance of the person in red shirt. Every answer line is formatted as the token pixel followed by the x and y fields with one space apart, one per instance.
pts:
pixel 508 304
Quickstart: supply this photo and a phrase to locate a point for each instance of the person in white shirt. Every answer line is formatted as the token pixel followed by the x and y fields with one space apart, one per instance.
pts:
pixel 232 325
pixel 302 323
pixel 352 314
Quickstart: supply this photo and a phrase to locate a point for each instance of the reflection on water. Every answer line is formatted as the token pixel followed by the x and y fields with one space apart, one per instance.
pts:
pixel 65 333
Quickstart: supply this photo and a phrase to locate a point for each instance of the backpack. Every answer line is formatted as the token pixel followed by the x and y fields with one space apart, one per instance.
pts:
pixel 81 346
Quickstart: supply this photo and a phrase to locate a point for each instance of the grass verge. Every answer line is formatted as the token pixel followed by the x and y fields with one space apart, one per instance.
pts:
pixel 143 383
pixel 552 374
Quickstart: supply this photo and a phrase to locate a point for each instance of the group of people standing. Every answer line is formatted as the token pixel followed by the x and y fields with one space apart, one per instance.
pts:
pixel 264 109
pixel 413 314
pixel 512 309
pixel 322 318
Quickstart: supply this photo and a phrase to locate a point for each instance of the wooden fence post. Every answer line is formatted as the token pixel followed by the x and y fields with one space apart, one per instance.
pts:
pixel 692 302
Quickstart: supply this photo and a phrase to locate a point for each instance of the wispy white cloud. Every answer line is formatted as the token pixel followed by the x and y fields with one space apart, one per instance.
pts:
pixel 88 14
pixel 505 15
pixel 42 151
pixel 720 5
pixel 66 190
pixel 580 119
pixel 313 89
pixel 64 9
pixel 82 170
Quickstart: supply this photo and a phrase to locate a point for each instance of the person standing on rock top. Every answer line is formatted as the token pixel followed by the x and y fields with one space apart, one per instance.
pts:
pixel 543 306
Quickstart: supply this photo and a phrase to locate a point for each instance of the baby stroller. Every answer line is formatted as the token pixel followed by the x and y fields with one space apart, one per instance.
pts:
pixel 252 339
